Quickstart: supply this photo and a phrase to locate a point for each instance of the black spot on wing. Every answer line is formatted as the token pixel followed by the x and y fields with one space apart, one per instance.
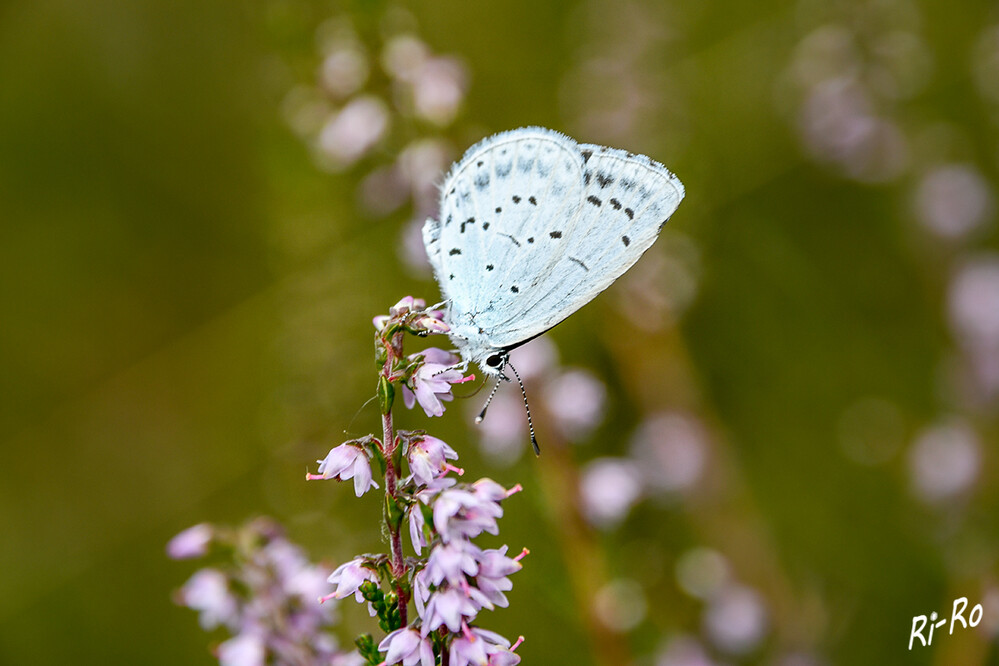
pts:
pixel 515 290
pixel 630 213
pixel 594 200
pixel 626 241
pixel 516 199
pixel 448 220
pixel 587 154
pixel 485 226
pixel 531 239
pixel 470 220
pixel 555 234
pixel 454 251
pixel 489 267
pixel 578 261
pixel 479 163
pixel 533 201
pixel 498 209
pixel 604 179
pixel 616 204
pixel 587 176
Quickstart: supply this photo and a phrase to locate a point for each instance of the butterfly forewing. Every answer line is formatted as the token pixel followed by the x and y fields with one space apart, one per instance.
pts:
pixel 489 249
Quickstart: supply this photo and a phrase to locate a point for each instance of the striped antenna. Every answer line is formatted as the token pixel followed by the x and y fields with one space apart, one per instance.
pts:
pixel 482 414
pixel 530 423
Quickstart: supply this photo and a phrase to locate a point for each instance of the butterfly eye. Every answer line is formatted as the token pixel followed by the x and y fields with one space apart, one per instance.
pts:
pixel 495 361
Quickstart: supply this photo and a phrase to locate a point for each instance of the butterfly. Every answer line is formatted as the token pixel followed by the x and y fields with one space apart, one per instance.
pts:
pixel 533 226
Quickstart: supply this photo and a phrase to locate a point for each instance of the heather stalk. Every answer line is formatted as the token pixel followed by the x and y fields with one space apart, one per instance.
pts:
pixel 456 579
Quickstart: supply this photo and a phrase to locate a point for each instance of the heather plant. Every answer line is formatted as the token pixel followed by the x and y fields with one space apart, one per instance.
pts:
pixel 262 594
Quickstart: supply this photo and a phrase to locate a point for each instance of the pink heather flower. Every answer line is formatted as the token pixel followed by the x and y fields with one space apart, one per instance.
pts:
pixel 416 525
pixel 452 562
pixel 447 606
pixel 421 591
pixel 192 542
pixel 432 381
pixel 479 647
pixel 427 459
pixel 460 514
pixel 344 462
pixel 208 591
pixel 348 578
pixel 492 581
pixel 431 325
pixel 405 646
pixel 487 489
pixel 246 649
pixel 406 305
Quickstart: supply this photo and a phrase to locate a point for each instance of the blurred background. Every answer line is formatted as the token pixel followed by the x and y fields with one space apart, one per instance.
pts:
pixel 771 442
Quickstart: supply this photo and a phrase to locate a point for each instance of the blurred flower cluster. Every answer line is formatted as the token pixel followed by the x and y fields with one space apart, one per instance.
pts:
pixel 857 78
pixel 264 592
pixel 850 77
pixel 380 108
pixel 734 618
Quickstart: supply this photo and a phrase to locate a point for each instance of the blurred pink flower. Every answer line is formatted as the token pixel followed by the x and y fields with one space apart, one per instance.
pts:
pixel 349 134
pixel 671 451
pixel 207 591
pixel 192 542
pixel 438 90
pixel 974 301
pixel 576 399
pixel 246 649
pixel 953 200
pixel 736 619
pixel 683 651
pixel 344 71
pixel 609 487
pixel 944 461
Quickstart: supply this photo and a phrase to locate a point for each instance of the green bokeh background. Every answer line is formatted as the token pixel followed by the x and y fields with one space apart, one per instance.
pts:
pixel 186 304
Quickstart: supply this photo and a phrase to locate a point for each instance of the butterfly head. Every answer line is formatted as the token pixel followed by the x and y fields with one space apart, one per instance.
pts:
pixel 494 363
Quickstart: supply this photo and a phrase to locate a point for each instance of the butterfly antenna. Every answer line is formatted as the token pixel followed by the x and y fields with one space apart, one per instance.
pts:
pixel 530 423
pixel 482 414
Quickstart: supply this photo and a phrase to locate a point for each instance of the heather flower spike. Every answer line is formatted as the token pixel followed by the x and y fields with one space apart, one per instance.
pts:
pixel 426 603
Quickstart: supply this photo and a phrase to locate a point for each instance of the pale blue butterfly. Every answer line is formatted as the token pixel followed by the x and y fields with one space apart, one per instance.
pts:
pixel 533 226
